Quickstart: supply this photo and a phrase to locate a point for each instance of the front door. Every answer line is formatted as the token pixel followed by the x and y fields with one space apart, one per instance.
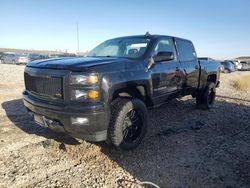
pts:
pixel 164 74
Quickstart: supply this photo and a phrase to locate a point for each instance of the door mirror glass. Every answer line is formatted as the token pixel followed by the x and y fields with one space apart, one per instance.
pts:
pixel 164 56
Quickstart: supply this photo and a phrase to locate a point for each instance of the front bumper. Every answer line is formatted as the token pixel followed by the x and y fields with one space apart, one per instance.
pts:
pixel 62 118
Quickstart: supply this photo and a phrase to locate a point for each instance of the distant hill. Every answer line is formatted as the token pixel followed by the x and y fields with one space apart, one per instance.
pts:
pixel 243 58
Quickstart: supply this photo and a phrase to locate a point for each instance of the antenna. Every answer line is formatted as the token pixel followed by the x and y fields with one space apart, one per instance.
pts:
pixel 77 37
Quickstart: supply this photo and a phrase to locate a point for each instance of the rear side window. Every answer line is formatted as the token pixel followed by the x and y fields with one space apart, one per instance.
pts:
pixel 186 50
pixel 165 45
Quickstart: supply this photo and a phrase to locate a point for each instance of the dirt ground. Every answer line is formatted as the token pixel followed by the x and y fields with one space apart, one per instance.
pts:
pixel 184 147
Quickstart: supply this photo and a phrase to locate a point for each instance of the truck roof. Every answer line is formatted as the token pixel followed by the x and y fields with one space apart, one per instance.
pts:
pixel 151 36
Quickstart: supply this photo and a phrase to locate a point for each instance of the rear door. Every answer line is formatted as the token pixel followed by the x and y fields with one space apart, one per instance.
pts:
pixel 189 63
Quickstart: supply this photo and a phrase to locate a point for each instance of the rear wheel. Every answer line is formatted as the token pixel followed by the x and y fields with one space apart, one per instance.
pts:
pixel 128 123
pixel 205 99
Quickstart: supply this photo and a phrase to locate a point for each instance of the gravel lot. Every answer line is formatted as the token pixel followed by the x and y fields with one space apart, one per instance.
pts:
pixel 184 147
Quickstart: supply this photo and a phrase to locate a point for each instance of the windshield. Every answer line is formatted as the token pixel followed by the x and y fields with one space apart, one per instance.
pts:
pixel 121 47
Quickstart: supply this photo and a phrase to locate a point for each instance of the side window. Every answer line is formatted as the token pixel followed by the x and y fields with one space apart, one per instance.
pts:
pixel 165 45
pixel 186 50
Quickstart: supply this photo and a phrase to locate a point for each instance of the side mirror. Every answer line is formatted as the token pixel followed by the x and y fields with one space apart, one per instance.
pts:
pixel 164 56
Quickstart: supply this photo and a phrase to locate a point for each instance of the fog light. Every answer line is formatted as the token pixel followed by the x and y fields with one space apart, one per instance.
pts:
pixel 93 94
pixel 80 121
pixel 82 95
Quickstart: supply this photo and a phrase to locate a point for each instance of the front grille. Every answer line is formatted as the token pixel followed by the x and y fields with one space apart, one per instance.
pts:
pixel 47 86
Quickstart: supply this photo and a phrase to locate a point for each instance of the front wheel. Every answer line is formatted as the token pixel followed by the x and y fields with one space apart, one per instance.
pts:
pixel 206 98
pixel 128 124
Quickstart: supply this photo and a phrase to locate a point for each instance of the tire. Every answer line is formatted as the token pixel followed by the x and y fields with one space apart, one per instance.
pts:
pixel 206 98
pixel 128 124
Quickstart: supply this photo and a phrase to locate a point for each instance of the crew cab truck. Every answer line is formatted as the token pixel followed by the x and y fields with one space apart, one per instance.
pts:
pixel 105 95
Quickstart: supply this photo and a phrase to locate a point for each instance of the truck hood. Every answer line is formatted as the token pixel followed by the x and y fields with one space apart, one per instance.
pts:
pixel 76 63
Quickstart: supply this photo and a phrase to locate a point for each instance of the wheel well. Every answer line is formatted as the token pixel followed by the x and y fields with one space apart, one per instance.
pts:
pixel 133 92
pixel 212 78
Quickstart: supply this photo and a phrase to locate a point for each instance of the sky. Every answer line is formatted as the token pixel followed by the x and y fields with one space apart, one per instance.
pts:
pixel 218 28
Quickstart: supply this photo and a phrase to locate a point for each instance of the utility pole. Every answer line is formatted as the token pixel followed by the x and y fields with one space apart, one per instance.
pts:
pixel 77 37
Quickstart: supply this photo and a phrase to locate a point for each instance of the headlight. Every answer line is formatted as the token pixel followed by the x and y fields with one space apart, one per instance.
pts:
pixel 90 79
pixel 84 94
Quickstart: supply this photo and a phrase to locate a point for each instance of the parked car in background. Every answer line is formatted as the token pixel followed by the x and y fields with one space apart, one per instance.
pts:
pixel 10 58
pixel 33 57
pixel 25 58
pixel 14 58
pixel 22 59
pixel 222 68
pixel 67 55
pixel 237 64
pixel 233 63
pixel 228 66
pixel 1 56
pixel 245 66
pixel 53 56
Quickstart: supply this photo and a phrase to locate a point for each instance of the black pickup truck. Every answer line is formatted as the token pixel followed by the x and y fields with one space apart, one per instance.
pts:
pixel 105 95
